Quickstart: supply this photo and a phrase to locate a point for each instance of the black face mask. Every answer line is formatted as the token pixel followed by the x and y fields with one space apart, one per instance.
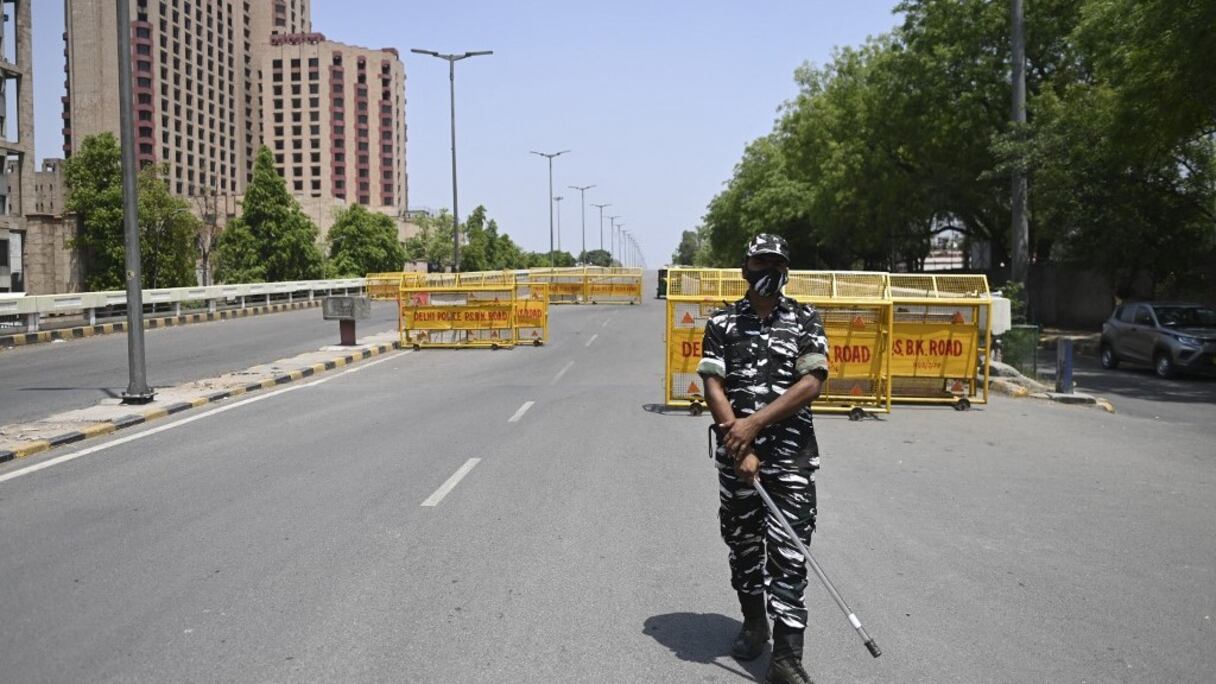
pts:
pixel 766 282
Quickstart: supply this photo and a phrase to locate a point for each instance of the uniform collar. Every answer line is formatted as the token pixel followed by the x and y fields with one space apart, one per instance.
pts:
pixel 783 304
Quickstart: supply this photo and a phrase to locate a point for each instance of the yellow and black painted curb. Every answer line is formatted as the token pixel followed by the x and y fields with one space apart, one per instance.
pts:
pixel 109 426
pixel 81 332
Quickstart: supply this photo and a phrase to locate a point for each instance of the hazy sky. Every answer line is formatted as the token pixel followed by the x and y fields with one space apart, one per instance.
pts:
pixel 656 99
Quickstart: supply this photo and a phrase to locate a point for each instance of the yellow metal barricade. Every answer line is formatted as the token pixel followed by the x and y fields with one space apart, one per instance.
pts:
pixel 942 337
pixel 531 313
pixel 623 287
pixel 384 287
pixel 857 315
pixel 458 310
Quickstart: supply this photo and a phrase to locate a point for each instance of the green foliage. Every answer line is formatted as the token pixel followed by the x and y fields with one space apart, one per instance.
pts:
pixel 362 242
pixel 273 240
pixel 908 136
pixel 167 229
pixel 483 247
pixel 94 194
pixel 545 259
pixel 596 257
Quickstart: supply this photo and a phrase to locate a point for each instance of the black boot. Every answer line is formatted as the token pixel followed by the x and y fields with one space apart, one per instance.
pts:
pixel 786 665
pixel 754 635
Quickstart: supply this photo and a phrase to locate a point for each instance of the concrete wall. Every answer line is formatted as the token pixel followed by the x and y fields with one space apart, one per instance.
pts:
pixel 51 265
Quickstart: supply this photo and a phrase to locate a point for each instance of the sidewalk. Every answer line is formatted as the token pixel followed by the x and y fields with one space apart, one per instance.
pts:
pixel 22 440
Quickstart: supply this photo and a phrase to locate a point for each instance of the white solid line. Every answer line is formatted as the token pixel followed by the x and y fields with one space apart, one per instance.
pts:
pixel 520 413
pixel 560 373
pixel 434 499
pixel 606 322
pixel 184 421
pixel 591 340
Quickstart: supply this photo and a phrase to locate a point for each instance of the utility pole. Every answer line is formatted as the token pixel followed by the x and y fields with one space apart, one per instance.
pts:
pixel 601 208
pixel 550 157
pixel 138 391
pixel 583 203
pixel 451 60
pixel 1021 229
pixel 559 199
pixel 612 238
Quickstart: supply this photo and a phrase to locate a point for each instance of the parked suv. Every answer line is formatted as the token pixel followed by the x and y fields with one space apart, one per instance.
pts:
pixel 1172 337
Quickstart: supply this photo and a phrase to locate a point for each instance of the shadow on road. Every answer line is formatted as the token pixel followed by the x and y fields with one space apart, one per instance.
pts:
pixel 665 410
pixel 112 393
pixel 703 638
pixel 1138 382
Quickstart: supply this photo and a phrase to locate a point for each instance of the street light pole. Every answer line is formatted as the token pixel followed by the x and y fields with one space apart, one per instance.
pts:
pixel 583 203
pixel 451 60
pixel 1020 228
pixel 558 200
pixel 601 208
pixel 550 157
pixel 612 238
pixel 138 391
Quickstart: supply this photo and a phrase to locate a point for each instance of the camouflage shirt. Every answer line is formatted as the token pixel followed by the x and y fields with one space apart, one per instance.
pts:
pixel 759 360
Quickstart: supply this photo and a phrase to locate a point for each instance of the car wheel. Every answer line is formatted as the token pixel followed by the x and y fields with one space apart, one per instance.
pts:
pixel 1164 365
pixel 1108 358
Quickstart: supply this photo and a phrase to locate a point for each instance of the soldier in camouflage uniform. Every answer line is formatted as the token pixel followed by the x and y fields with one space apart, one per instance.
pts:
pixel 764 360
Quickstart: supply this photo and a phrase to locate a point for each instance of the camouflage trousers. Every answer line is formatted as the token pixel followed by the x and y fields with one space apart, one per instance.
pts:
pixel 762 556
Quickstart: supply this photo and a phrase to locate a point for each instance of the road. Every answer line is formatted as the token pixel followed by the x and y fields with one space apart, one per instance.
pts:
pixel 1137 391
pixel 287 538
pixel 42 379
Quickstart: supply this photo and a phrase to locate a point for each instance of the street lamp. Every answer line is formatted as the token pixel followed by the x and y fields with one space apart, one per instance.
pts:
pixel 612 238
pixel 601 208
pixel 626 249
pixel 583 203
pixel 550 157
pixel 558 200
pixel 620 242
pixel 451 60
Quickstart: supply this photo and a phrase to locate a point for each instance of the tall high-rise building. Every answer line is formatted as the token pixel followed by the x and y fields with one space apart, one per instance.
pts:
pixel 16 138
pixel 216 79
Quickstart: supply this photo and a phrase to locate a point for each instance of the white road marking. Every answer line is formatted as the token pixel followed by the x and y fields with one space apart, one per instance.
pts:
pixel 606 322
pixel 434 499
pixel 590 341
pixel 185 421
pixel 560 373
pixel 520 413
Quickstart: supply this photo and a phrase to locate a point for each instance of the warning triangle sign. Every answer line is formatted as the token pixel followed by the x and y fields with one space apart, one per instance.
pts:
pixel 688 319
pixel 693 389
pixel 859 323
pixel 957 386
pixel 856 391
pixel 494 334
pixel 958 318
pixel 535 334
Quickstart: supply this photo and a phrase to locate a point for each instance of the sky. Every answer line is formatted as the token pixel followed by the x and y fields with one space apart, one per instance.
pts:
pixel 656 100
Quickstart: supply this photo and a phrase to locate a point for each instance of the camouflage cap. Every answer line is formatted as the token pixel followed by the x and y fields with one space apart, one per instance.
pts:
pixel 767 243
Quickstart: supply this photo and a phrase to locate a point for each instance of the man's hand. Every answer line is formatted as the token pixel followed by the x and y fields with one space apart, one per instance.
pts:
pixel 748 467
pixel 740 433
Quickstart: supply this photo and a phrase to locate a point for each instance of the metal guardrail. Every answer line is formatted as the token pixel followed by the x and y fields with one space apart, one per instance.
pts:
pixel 33 308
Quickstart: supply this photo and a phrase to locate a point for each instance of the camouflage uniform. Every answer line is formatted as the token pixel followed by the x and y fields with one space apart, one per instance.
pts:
pixel 758 361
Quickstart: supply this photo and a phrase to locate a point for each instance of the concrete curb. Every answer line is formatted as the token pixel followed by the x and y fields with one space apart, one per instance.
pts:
pixel 1014 389
pixel 25 339
pixel 140 417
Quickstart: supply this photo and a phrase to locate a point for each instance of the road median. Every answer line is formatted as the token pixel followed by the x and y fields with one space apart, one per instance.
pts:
pixel 22 440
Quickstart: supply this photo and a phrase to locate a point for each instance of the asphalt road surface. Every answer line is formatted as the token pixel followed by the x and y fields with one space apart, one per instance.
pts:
pixel 41 379
pixel 1137 391
pixel 520 516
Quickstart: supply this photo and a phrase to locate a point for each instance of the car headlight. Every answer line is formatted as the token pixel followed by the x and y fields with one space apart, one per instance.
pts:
pixel 1189 341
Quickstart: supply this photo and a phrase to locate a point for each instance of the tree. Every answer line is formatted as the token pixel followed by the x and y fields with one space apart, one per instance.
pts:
pixel 596 257
pixel 168 251
pixel 273 240
pixel 544 259
pixel 94 194
pixel 433 243
pixel 362 242
pixel 207 207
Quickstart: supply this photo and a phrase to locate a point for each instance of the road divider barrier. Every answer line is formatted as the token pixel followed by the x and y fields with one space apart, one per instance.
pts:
pixel 890 339
pixel 531 313
pixel 458 310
